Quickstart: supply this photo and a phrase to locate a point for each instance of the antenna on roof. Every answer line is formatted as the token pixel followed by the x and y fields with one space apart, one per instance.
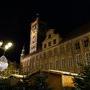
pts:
pixel 37 14
pixel 23 52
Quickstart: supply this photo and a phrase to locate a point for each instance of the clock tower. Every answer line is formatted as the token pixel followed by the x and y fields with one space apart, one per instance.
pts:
pixel 37 35
pixel 33 36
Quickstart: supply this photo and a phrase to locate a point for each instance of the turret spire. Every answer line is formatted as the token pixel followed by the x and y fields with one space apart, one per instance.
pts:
pixel 23 52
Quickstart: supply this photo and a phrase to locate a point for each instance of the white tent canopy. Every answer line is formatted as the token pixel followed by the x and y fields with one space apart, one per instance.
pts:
pixel 3 63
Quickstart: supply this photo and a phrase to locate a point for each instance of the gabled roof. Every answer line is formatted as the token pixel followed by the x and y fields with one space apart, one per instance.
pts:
pixel 77 32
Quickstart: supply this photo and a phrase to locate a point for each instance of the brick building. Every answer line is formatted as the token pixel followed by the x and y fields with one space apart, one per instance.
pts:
pixel 56 53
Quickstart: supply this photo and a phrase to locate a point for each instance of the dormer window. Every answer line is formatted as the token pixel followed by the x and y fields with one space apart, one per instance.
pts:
pixel 49 43
pixel 49 36
pixel 54 41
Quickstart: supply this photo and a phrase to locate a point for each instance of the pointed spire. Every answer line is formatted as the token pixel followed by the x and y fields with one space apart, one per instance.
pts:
pixel 23 51
pixel 37 16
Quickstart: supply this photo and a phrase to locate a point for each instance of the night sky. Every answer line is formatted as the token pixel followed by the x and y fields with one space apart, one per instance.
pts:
pixel 65 16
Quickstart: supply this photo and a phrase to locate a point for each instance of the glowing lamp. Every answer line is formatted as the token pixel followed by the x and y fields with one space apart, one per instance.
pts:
pixel 1 43
pixel 8 45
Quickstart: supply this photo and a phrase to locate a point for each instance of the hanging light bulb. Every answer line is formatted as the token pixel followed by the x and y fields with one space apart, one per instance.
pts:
pixel 1 43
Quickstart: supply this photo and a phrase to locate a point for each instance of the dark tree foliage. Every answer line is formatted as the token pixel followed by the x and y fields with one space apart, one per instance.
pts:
pixel 40 82
pixel 82 81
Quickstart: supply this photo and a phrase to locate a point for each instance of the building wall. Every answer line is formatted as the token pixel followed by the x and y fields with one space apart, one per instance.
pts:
pixel 67 82
pixel 53 80
pixel 63 56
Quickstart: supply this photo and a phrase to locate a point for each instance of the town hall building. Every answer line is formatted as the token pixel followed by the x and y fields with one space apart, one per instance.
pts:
pixel 54 54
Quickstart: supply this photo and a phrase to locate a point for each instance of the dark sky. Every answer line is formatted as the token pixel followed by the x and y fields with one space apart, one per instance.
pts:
pixel 63 15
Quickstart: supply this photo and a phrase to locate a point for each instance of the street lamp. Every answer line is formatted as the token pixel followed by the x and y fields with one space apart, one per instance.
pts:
pixel 3 59
pixel 8 45
pixel 1 43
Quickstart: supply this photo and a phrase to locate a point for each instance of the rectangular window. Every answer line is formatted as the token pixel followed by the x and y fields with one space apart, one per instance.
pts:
pixel 49 43
pixel 77 45
pixel 86 42
pixel 54 41
pixel 44 45
pixel 49 36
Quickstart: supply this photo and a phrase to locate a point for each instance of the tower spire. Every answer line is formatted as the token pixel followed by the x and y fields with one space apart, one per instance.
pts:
pixel 37 16
pixel 34 34
pixel 23 52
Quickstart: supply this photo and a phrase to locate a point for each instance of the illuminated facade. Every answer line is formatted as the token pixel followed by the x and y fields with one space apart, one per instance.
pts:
pixel 33 36
pixel 56 54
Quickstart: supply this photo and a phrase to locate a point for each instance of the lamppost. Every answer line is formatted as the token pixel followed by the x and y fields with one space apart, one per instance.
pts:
pixel 3 59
